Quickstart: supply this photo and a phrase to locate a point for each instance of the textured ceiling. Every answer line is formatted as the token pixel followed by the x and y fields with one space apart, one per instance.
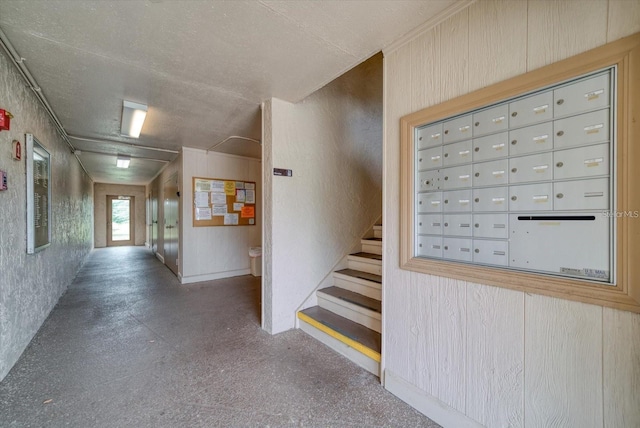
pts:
pixel 202 67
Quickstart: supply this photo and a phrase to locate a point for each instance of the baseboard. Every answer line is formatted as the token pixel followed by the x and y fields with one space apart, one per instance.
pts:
pixel 427 404
pixel 211 276
pixel 160 257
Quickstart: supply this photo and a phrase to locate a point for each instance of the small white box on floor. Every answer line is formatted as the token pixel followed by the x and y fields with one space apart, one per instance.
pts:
pixel 255 255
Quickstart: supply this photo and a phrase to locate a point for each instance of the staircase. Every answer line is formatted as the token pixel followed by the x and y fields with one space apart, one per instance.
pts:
pixel 348 315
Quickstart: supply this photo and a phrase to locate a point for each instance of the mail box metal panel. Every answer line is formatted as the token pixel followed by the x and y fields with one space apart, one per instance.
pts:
pixel 530 110
pixel 457 224
pixel 582 194
pixel 429 202
pixel 531 197
pixel 587 161
pixel 457 177
pixel 429 136
pixel 581 96
pixel 491 173
pixel 457 154
pixel 491 199
pixel 429 246
pixel 457 129
pixel 429 158
pixel 457 249
pixel 531 168
pixel 562 243
pixel 429 180
pixel 532 139
pixel 457 201
pixel 492 120
pixel 588 128
pixel 491 226
pixel 491 147
pixel 491 252
pixel 430 224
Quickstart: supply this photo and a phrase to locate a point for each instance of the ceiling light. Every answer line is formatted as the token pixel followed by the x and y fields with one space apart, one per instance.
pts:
pixel 123 161
pixel 133 115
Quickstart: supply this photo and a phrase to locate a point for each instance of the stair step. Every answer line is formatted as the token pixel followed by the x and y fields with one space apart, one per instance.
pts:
pixel 371 245
pixel 360 344
pixel 353 306
pixel 364 283
pixel 377 231
pixel 366 262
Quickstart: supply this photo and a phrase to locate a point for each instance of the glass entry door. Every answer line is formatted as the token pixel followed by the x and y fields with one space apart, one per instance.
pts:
pixel 120 225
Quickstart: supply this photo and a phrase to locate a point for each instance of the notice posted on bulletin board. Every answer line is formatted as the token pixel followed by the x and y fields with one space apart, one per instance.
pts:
pixel 223 202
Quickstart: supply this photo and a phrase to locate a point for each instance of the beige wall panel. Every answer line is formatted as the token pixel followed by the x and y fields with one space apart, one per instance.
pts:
pixel 621 361
pixel 623 19
pixel 454 56
pixel 563 371
pixel 495 356
pixel 423 345
pixel 497 40
pixel 425 67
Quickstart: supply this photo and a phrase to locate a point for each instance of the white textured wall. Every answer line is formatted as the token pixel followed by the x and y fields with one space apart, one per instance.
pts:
pixel 30 285
pixel 101 191
pixel 220 251
pixel 332 141
pixel 502 357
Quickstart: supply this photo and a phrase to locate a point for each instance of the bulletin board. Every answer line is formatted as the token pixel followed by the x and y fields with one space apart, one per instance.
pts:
pixel 223 202
pixel 38 196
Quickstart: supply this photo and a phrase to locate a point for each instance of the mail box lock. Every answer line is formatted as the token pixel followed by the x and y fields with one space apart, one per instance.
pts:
pixel 477 149
pixel 514 198
pixel 420 203
pixel 446 131
pixel 477 123
pixel 446 155
pixel 420 245
pixel 419 138
pixel 446 201
pixel 514 142
pixel 560 102
pixel 446 225
pixel 477 250
pixel 514 114
pixel 427 182
pixel 420 160
pixel 514 170
pixel 446 247
pixel 420 224
pixel 559 164
pixel 477 199
pixel 560 196
pixel 446 178
pixel 560 133
pixel 477 174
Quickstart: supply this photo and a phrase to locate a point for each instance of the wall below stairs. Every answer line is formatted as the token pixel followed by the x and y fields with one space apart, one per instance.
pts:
pixel 332 141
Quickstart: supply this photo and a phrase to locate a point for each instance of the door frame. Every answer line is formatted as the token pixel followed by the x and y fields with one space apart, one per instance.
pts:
pixel 132 223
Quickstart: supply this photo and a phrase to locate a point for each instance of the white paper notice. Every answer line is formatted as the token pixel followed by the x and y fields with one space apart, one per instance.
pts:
pixel 203 185
pixel 219 210
pixel 237 206
pixel 218 198
pixel 217 186
pixel 231 219
pixel 240 195
pixel 202 199
pixel 249 185
pixel 239 185
pixel 203 213
pixel 250 196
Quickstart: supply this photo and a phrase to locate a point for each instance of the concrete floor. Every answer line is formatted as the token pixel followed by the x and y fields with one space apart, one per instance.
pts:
pixel 128 346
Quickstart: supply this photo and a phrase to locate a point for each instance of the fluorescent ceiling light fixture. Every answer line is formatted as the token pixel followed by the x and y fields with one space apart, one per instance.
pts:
pixel 133 115
pixel 123 161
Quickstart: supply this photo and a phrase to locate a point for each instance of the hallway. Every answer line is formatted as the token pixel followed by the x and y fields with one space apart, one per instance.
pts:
pixel 127 345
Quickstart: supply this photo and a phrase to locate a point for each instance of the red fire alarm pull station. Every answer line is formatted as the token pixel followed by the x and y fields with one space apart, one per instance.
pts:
pixel 17 150
pixel 5 120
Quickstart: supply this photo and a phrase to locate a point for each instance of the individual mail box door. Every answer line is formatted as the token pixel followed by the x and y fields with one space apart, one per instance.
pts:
pixel 429 136
pixel 429 246
pixel 457 154
pixel 457 201
pixel 582 194
pixel 491 199
pixel 491 226
pixel 530 110
pixel 457 129
pixel 430 202
pixel 429 180
pixel 492 120
pixel 588 128
pixel 531 197
pixel 491 252
pixel 457 224
pixel 582 96
pixel 491 147
pixel 491 173
pixel 429 158
pixel 456 177
pixel 430 224
pixel 531 168
pixel 561 243
pixel 457 249
pixel 587 161
pixel 532 139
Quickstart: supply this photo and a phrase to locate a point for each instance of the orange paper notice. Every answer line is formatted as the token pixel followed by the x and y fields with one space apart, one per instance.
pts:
pixel 248 212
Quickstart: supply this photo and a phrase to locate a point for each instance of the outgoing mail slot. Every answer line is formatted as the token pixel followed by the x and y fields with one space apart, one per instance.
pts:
pixel 457 201
pixel 588 128
pixel 532 139
pixel 491 173
pixel 457 224
pixel 430 224
pixel 587 161
pixel 491 199
pixel 531 197
pixel 429 158
pixel 457 249
pixel 429 202
pixel 581 195
pixel 531 168
pixel 491 226
pixel 456 154
pixel 492 120
pixel 429 246
pixel 491 252
pixel 429 180
pixel 456 177
pixel 582 96
pixel 491 147
pixel 530 110
pixel 457 129
pixel 429 136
